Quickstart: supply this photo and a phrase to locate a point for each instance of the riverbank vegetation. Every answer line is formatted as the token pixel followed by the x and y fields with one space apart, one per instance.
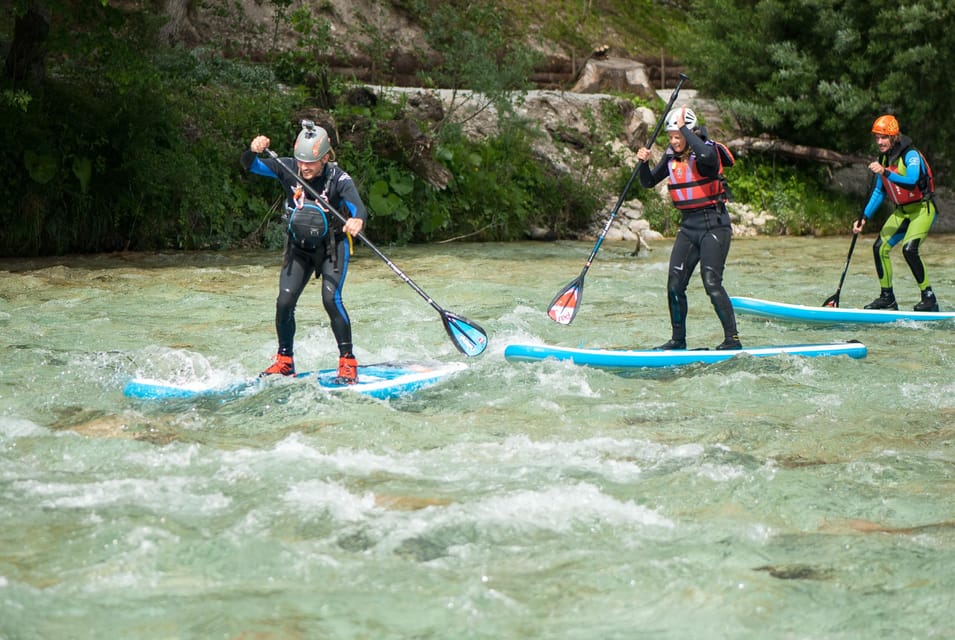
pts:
pixel 117 141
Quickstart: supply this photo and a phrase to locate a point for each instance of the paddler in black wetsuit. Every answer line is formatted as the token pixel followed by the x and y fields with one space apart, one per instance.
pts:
pixel 317 242
pixel 694 166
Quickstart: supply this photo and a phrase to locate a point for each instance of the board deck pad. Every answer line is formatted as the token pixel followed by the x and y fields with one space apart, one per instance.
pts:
pixel 383 381
pixel 637 359
pixel 833 315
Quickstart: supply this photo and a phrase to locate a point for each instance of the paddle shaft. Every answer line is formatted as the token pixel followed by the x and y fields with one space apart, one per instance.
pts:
pixel 845 270
pixel 834 298
pixel 563 308
pixel 633 176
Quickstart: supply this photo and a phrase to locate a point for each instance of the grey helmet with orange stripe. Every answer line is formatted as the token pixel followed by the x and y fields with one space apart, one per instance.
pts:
pixel 312 143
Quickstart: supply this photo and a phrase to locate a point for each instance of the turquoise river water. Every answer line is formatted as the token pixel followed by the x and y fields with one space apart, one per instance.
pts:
pixel 757 498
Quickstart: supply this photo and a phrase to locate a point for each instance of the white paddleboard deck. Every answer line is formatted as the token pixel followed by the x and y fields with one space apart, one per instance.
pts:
pixel 635 359
pixel 833 315
pixel 383 381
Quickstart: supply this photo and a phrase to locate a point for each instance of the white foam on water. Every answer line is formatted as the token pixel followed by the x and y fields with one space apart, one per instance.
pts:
pixel 559 508
pixel 296 448
pixel 166 494
pixel 173 456
pixel 183 367
pixel 330 497
pixel 556 510
pixel 13 428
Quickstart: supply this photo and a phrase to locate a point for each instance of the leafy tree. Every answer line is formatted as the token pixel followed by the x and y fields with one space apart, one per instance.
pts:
pixel 819 72
pixel 116 142
pixel 480 51
pixel 916 83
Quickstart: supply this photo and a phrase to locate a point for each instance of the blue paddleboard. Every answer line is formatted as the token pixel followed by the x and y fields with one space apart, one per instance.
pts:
pixel 383 381
pixel 832 315
pixel 635 359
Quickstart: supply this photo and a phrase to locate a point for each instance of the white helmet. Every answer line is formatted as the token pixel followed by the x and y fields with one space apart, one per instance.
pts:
pixel 312 143
pixel 689 117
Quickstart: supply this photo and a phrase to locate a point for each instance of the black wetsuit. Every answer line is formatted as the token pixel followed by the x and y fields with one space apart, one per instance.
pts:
pixel 329 259
pixel 704 239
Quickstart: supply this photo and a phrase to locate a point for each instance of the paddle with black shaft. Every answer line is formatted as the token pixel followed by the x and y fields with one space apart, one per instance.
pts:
pixel 469 338
pixel 565 304
pixel 833 300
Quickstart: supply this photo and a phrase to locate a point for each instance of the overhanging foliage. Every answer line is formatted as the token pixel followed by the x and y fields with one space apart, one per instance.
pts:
pixel 819 72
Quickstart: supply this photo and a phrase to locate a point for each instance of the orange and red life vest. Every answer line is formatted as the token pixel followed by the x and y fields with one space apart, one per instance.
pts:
pixel 691 190
pixel 902 195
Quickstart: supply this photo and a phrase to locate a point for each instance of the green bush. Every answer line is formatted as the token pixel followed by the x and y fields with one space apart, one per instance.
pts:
pixel 497 188
pixel 796 194
pixel 154 167
pixel 819 73
pixel 133 146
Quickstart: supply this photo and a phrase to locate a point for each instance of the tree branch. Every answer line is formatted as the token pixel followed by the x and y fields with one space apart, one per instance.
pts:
pixel 763 145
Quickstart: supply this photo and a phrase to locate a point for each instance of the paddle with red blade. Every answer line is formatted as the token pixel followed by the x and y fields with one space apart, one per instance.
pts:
pixel 469 338
pixel 563 308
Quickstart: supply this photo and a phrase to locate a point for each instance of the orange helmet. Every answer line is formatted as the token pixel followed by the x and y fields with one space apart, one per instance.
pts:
pixel 886 126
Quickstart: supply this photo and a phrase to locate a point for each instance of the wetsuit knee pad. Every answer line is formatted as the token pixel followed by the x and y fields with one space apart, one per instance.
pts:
pixel 286 300
pixel 678 281
pixel 911 252
pixel 877 247
pixel 911 249
pixel 712 281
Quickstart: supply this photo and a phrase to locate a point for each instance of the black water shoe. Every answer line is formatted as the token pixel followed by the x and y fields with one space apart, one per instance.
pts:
pixel 672 345
pixel 928 302
pixel 730 344
pixel 886 300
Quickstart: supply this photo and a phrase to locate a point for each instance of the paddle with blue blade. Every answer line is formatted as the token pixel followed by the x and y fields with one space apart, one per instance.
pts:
pixel 469 338
pixel 833 300
pixel 563 308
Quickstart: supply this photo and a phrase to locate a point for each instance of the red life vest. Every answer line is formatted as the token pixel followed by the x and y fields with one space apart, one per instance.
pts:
pixel 901 195
pixel 690 190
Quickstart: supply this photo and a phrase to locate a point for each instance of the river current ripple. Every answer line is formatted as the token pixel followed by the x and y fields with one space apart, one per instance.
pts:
pixel 773 497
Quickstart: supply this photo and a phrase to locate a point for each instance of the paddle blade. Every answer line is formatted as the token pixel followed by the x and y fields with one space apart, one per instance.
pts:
pixel 564 306
pixel 467 336
pixel 832 301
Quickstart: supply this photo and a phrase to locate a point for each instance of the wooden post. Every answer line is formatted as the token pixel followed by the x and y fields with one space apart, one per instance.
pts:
pixel 663 70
